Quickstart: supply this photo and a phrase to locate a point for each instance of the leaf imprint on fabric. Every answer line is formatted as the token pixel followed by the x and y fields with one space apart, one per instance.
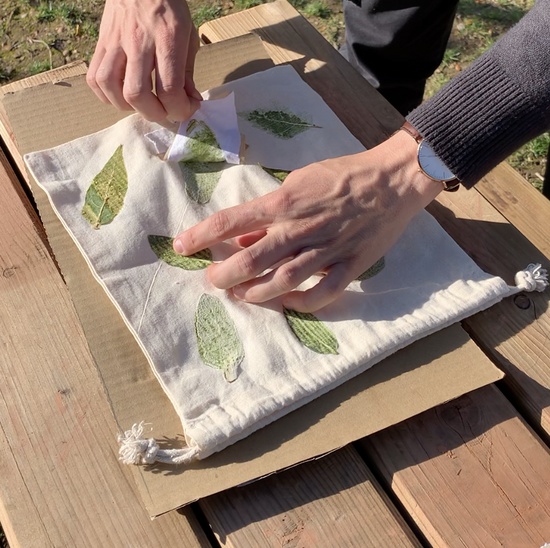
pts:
pixel 375 269
pixel 311 332
pixel 219 344
pixel 105 196
pixel 281 123
pixel 162 246
pixel 203 146
pixel 279 174
pixel 201 179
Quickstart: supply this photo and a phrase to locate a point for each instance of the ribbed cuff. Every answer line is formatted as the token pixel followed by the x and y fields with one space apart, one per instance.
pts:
pixel 477 120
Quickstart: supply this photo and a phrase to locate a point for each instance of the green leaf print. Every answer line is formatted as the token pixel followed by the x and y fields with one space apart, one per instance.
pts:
pixel 219 344
pixel 201 179
pixel 311 332
pixel 162 246
pixel 105 196
pixel 280 123
pixel 375 269
pixel 203 145
pixel 279 174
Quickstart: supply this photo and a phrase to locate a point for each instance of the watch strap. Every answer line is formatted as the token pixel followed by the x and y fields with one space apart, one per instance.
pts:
pixel 450 186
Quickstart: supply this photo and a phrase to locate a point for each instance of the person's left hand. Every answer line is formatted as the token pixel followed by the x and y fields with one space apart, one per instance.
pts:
pixel 336 217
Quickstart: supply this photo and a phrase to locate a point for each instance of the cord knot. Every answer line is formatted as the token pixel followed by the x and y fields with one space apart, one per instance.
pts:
pixel 533 278
pixel 135 449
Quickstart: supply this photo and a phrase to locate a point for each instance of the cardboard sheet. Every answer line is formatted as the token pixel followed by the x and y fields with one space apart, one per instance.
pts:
pixel 432 371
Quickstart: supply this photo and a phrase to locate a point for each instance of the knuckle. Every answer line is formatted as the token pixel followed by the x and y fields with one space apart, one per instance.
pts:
pixel 281 201
pixel 332 289
pixel 188 239
pixel 246 263
pixel 102 78
pixel 169 91
pixel 287 277
pixel 132 94
pixel 220 224
pixel 90 79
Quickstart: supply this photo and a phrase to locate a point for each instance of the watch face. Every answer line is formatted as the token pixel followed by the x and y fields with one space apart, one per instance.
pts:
pixel 432 165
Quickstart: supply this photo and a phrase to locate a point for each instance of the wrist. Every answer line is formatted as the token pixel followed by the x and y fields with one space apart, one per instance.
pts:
pixel 410 181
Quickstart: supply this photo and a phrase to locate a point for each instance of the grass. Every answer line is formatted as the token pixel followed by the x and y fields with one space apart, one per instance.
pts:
pixel 205 13
pixel 317 9
pixel 39 66
pixel 531 160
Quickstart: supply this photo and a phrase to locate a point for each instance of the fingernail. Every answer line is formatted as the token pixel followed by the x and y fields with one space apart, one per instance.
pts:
pixel 178 247
pixel 238 292
pixel 196 95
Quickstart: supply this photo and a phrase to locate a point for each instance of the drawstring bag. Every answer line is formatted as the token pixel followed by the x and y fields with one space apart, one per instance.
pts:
pixel 229 367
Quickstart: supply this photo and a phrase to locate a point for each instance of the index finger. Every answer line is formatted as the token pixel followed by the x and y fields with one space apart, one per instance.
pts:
pixel 222 225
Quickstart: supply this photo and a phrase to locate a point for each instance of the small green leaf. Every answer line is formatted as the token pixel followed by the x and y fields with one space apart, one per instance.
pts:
pixel 105 196
pixel 162 246
pixel 203 145
pixel 201 179
pixel 375 269
pixel 280 123
pixel 311 332
pixel 279 174
pixel 219 344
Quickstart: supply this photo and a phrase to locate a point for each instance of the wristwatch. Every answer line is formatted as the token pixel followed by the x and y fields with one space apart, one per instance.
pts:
pixel 430 164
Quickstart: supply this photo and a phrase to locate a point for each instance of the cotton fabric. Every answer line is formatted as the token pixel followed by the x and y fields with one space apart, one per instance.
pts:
pixel 427 282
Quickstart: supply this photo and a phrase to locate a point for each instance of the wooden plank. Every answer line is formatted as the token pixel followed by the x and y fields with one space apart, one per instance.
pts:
pixel 520 203
pixel 515 332
pixel 470 472
pixel 289 38
pixel 61 482
pixel 333 501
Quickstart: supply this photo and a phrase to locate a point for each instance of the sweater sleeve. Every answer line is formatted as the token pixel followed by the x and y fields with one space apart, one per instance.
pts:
pixel 497 104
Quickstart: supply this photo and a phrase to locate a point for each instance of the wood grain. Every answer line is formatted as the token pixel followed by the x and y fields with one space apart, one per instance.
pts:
pixel 515 332
pixel 61 482
pixel 289 38
pixel 333 501
pixel 470 473
pixel 520 203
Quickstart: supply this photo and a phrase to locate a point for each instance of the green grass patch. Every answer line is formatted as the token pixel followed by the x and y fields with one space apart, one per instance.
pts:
pixel 205 14
pixel 39 66
pixel 241 5
pixel 317 8
pixel 48 12
pixel 531 159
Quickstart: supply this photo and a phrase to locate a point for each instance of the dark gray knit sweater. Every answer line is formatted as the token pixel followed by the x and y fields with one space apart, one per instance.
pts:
pixel 496 105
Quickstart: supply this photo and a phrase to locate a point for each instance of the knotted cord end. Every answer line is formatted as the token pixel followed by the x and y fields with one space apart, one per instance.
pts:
pixel 533 278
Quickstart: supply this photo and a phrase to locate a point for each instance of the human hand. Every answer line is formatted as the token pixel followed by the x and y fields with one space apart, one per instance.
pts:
pixel 336 217
pixel 135 37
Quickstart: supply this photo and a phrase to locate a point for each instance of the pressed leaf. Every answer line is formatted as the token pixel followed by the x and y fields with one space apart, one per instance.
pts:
pixel 105 196
pixel 162 246
pixel 201 179
pixel 281 123
pixel 219 344
pixel 203 145
pixel 311 332
pixel 375 269
pixel 279 174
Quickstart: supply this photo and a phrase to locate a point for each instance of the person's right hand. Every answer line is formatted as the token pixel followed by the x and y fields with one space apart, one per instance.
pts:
pixel 135 37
